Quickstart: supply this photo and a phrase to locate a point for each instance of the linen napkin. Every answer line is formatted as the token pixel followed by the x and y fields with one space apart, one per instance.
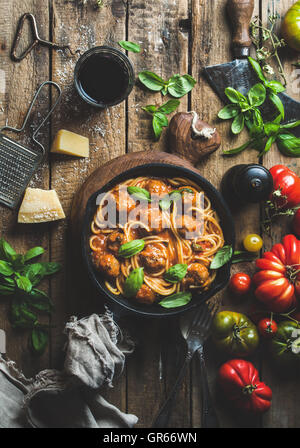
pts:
pixel 70 398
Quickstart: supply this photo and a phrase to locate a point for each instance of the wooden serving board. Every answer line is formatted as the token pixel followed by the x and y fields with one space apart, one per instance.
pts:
pixel 101 176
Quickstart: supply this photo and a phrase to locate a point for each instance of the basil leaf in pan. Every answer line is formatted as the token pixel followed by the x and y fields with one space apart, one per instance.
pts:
pixel 222 257
pixel 132 248
pixel 176 300
pixel 176 273
pixel 139 193
pixel 134 283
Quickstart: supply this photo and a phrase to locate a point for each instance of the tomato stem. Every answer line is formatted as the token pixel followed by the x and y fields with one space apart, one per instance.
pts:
pixel 248 390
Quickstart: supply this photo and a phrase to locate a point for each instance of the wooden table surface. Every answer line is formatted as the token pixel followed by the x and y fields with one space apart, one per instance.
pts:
pixel 177 36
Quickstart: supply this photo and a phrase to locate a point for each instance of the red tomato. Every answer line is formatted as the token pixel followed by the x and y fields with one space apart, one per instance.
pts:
pixel 241 384
pixel 278 281
pixel 296 223
pixel 286 192
pixel 267 328
pixel 240 283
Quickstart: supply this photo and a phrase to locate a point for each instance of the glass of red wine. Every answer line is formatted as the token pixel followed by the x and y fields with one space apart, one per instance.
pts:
pixel 104 76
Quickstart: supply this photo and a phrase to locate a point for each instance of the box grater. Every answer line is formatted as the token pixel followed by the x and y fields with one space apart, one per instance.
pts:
pixel 18 162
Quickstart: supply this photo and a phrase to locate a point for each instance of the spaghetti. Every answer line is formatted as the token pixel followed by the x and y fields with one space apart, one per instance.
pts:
pixel 185 231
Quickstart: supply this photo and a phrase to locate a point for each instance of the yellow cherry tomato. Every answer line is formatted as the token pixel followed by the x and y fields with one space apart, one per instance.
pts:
pixel 253 243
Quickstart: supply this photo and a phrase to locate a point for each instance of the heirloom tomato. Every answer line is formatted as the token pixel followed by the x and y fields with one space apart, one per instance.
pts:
pixel 240 283
pixel 286 192
pixel 278 281
pixel 241 384
pixel 267 328
pixel 234 334
pixel 285 345
pixel 291 27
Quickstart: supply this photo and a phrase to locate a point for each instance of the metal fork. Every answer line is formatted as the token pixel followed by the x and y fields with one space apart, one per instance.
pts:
pixel 197 332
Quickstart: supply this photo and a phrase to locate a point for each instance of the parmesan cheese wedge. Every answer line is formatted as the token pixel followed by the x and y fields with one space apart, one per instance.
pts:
pixel 40 206
pixel 72 144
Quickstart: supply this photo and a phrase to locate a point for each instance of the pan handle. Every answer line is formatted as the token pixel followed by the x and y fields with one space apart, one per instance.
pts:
pixel 240 13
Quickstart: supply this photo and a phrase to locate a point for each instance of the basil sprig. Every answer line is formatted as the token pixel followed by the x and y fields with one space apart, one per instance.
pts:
pixel 131 248
pixel 176 300
pixel 176 273
pixel 130 46
pixel 18 279
pixel 159 115
pixel 245 110
pixel 139 193
pixel 177 86
pixel 134 283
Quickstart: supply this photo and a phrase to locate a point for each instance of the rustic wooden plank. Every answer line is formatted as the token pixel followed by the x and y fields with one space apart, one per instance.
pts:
pixel 211 45
pixel 285 412
pixel 156 27
pixel 84 27
pixel 18 84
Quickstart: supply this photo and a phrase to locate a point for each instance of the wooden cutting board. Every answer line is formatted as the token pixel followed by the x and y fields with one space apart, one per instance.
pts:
pixel 111 169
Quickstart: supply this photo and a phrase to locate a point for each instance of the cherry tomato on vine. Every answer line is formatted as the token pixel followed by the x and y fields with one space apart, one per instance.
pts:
pixel 267 328
pixel 240 283
pixel 253 243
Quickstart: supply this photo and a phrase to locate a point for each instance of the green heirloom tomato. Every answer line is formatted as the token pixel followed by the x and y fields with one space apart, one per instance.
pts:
pixel 285 346
pixel 291 27
pixel 234 334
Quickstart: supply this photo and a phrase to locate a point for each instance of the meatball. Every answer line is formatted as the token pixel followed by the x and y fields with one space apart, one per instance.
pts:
pixel 157 187
pixel 186 224
pixel 197 274
pixel 152 258
pixel 146 295
pixel 124 202
pixel 107 263
pixel 114 241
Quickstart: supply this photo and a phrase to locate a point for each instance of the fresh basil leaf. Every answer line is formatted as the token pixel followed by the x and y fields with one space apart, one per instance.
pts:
pixel 157 128
pixel 257 95
pixel 176 300
pixel 6 269
pixel 178 86
pixel 150 109
pixel 6 251
pixel 234 96
pixel 268 145
pixel 139 193
pixel 33 253
pixel 238 124
pixel 169 107
pixel 39 300
pixel 51 267
pixel 222 257
pixel 134 283
pixel 24 283
pixel 7 286
pixel 229 111
pixel 288 144
pixel 21 316
pixel 176 195
pixel 277 103
pixel 291 125
pixel 39 340
pixel 271 129
pixel 18 262
pixel 130 46
pixel 165 203
pixel 162 119
pixel 275 86
pixel 257 68
pixel 151 81
pixel 35 273
pixel 176 273
pixel 131 248
pixel 232 152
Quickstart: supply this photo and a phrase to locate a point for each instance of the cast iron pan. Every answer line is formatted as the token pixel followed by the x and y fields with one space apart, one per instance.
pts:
pixel 121 305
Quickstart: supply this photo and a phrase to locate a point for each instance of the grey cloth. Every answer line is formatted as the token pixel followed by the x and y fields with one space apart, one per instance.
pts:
pixel 69 398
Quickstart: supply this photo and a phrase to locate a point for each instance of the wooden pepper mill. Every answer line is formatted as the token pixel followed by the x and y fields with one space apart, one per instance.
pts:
pixel 192 138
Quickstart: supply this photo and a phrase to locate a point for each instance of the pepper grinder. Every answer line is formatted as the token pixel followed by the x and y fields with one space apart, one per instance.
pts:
pixel 244 184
